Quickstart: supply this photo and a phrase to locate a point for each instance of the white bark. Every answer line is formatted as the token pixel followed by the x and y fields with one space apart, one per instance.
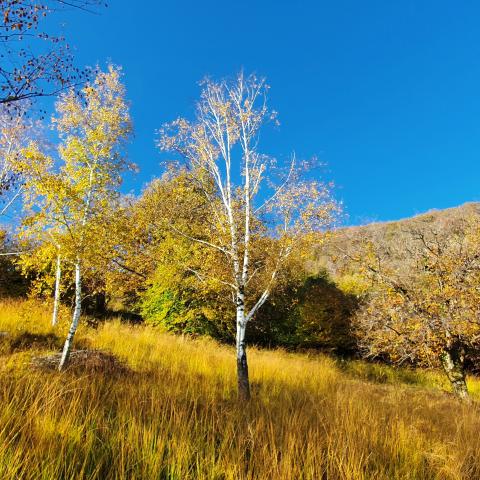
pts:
pixel 10 202
pixel 12 136
pixel 56 300
pixel 78 278
pixel 230 117
pixel 76 316
pixel 242 365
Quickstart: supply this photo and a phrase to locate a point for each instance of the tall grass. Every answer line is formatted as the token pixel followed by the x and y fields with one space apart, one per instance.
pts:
pixel 175 414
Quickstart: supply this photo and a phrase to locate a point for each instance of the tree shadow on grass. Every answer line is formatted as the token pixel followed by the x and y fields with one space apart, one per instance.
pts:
pixel 34 341
pixel 85 361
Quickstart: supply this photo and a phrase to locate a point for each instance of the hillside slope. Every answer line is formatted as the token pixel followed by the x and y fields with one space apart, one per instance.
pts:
pixel 172 413
pixel 334 253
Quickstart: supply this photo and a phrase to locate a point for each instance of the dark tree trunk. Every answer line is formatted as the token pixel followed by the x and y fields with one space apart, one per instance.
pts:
pixel 453 362
pixel 242 376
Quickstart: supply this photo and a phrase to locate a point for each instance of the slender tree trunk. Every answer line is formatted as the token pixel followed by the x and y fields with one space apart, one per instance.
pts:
pixel 76 316
pixel 56 301
pixel 453 359
pixel 242 365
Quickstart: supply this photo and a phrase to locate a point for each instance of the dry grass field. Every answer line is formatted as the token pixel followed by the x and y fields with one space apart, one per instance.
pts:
pixel 169 411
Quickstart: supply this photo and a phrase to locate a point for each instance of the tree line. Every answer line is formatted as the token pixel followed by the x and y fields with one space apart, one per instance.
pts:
pixel 222 242
pixel 225 214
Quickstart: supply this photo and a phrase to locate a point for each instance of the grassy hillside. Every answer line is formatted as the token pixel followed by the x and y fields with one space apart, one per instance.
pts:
pixel 333 253
pixel 171 412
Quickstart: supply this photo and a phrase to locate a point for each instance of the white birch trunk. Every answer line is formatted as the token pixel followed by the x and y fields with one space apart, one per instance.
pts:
pixel 76 316
pixel 78 280
pixel 56 300
pixel 242 365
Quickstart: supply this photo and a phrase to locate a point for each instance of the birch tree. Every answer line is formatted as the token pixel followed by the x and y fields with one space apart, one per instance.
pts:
pixel 56 294
pixel 68 201
pixel 15 133
pixel 249 196
pixel 41 233
pixel 40 261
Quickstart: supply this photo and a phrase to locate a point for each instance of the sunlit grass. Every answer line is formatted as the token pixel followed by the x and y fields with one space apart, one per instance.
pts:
pixel 175 416
pixel 379 373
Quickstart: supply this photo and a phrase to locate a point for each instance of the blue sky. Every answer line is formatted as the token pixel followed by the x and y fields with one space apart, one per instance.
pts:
pixel 386 93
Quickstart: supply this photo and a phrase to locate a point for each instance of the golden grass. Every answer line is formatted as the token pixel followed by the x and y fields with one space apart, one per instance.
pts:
pixel 175 416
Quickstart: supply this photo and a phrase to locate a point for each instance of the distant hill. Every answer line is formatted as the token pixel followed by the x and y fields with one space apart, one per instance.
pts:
pixel 333 253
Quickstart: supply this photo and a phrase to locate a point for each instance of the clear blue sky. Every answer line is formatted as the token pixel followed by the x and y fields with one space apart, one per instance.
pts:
pixel 386 93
